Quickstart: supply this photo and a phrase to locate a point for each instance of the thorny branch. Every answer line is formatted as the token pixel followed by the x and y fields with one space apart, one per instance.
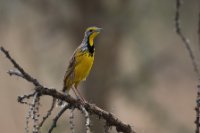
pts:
pixel 42 91
pixel 192 57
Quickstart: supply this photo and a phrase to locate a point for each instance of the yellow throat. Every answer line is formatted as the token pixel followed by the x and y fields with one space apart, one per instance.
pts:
pixel 91 38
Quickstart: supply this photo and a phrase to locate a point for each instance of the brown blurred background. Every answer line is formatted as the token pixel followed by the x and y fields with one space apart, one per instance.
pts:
pixel 142 72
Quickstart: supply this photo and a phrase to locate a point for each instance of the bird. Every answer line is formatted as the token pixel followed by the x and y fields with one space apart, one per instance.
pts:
pixel 81 62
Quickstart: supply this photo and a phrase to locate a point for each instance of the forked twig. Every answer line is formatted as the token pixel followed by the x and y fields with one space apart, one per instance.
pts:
pixel 21 99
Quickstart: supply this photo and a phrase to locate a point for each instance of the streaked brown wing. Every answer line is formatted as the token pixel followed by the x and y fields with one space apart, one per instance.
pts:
pixel 69 74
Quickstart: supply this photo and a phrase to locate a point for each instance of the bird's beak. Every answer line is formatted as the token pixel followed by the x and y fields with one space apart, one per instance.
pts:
pixel 99 29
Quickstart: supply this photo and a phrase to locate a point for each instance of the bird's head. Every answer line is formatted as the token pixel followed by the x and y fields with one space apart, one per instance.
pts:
pixel 94 31
pixel 91 33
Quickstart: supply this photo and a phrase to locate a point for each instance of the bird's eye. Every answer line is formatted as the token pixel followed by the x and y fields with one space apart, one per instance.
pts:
pixel 90 30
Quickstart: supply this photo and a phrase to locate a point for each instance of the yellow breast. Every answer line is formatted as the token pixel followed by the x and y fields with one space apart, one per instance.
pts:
pixel 84 66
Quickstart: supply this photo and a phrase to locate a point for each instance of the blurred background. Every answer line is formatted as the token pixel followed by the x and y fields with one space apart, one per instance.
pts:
pixel 142 72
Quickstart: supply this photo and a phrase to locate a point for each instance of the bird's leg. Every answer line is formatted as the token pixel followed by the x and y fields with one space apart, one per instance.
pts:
pixel 75 92
pixel 83 99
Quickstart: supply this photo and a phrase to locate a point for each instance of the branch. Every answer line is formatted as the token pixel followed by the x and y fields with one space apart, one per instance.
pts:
pixel 15 72
pixel 20 99
pixel 197 109
pixel 35 112
pixel 71 121
pixel 20 69
pixel 106 128
pixel 110 119
pixel 192 57
pixel 58 116
pixel 48 113
pixel 184 39
pixel 198 32
pixel 87 119
pixel 91 108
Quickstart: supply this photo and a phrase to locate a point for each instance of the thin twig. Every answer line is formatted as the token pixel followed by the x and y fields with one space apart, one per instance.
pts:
pixel 106 128
pixel 71 121
pixel 16 65
pixel 48 113
pixel 27 119
pixel 54 124
pixel 12 72
pixel 198 32
pixel 20 99
pixel 35 112
pixel 184 39
pixel 87 119
pixel 192 57
pixel 197 109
